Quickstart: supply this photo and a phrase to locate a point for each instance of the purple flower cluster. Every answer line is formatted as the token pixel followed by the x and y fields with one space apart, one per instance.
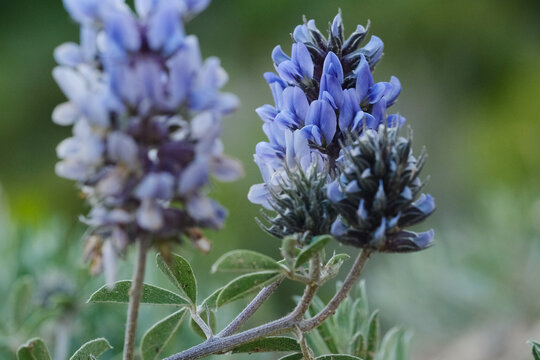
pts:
pixel 323 91
pixel 146 113
pixel 334 162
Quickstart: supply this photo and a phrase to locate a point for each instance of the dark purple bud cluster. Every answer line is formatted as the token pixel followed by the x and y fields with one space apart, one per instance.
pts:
pixel 377 194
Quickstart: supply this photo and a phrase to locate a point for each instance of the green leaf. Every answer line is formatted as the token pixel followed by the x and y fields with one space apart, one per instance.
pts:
pixel 210 301
pixel 324 329
pixel 156 338
pixel 402 346
pixel 269 344
pixel 295 356
pixel 373 336
pixel 388 344
pixel 20 299
pixel 337 260
pixel 209 317
pixel 359 345
pixel 244 285
pixel 244 261
pixel 181 275
pixel 317 244
pixel 337 357
pixel 119 293
pixel 535 349
pixel 34 349
pixel 94 348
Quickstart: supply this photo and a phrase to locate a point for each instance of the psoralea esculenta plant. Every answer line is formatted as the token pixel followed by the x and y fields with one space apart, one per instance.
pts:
pixel 146 114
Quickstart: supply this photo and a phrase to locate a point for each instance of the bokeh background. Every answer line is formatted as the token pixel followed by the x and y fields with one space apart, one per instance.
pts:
pixel 470 72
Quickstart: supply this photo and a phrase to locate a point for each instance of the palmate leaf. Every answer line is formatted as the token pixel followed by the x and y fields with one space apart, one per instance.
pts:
pixel 34 349
pixel 245 285
pixel 92 349
pixel 151 294
pixel 180 274
pixel 318 243
pixel 337 357
pixel 244 261
pixel 269 344
pixel 157 337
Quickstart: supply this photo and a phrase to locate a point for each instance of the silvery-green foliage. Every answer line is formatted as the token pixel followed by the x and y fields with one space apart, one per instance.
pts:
pixel 35 349
pixel 354 330
pixel 535 349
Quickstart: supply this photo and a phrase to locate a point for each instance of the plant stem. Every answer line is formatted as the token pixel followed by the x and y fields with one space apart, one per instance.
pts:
pixel 306 350
pixel 135 300
pixel 331 307
pixel 204 327
pixel 219 344
pixel 252 307
pixel 290 322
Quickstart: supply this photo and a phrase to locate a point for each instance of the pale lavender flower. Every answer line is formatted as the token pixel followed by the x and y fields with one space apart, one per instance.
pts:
pixel 146 113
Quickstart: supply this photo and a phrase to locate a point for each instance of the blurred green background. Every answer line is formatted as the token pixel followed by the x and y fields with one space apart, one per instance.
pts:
pixel 470 72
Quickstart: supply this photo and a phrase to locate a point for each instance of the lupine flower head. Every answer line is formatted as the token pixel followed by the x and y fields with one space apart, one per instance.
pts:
pixel 146 113
pixel 322 92
pixel 377 194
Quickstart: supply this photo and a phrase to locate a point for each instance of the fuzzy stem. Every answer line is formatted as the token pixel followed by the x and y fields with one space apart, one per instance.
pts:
pixel 291 322
pixel 332 306
pixel 135 300
pixel 302 341
pixel 252 307
pixel 219 344
pixel 204 327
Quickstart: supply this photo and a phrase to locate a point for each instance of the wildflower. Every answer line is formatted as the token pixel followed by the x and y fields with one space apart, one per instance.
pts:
pixel 146 113
pixel 377 193
pixel 324 90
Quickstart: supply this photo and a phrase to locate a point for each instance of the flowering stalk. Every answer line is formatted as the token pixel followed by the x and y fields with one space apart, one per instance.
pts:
pixel 146 113
pixel 135 300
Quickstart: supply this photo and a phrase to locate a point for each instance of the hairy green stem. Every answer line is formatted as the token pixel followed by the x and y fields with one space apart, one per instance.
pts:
pixel 135 294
